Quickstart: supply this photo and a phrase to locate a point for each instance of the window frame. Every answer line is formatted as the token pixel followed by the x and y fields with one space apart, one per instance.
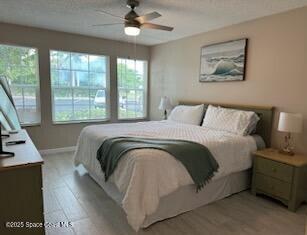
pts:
pixel 145 92
pixel 107 89
pixel 38 86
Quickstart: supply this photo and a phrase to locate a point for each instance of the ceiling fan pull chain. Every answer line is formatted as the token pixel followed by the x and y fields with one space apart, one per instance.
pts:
pixel 134 49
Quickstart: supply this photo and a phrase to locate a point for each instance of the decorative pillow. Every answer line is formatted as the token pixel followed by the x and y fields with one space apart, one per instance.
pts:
pixel 187 114
pixel 235 121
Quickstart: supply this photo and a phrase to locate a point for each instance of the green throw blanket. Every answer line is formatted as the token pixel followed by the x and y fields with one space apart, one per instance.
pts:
pixel 196 158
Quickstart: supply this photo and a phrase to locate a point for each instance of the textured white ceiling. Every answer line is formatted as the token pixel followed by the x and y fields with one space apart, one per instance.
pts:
pixel 188 17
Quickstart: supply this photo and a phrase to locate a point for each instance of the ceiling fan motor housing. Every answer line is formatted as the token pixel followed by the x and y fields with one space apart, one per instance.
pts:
pixel 132 23
pixel 130 19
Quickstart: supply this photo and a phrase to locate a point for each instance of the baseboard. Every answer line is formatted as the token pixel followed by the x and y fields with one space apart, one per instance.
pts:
pixel 57 150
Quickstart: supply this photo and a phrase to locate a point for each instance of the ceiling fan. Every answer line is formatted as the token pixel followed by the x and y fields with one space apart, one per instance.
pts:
pixel 133 22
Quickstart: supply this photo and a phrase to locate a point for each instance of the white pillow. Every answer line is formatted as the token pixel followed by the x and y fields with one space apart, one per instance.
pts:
pixel 187 114
pixel 235 121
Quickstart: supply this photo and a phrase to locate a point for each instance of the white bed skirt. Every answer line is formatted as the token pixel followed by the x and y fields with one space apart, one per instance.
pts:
pixel 185 198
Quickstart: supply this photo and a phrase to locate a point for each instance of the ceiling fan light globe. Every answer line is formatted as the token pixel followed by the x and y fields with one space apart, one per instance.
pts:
pixel 132 31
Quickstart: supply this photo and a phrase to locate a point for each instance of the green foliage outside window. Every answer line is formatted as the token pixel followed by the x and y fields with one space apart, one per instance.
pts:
pixel 127 77
pixel 20 66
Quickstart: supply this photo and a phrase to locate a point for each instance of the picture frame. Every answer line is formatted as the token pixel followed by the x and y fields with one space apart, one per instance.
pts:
pixel 223 62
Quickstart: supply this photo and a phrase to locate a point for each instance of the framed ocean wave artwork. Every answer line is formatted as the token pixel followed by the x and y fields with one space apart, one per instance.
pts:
pixel 223 62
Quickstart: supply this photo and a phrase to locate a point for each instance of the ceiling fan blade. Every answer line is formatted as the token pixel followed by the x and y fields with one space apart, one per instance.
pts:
pixel 156 26
pixel 107 24
pixel 110 14
pixel 148 17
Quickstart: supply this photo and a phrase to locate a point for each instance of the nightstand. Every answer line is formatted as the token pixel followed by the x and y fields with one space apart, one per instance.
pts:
pixel 280 176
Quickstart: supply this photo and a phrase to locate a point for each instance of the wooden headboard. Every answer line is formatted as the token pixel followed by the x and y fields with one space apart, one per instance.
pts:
pixel 264 126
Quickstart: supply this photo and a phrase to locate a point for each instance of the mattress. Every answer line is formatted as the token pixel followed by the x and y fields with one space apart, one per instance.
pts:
pixel 144 176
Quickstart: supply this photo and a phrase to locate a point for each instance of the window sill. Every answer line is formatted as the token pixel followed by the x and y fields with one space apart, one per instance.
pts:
pixel 132 119
pixel 81 121
pixel 30 124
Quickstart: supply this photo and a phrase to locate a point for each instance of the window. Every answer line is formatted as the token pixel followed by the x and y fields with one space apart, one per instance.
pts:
pixel 20 66
pixel 79 86
pixel 132 88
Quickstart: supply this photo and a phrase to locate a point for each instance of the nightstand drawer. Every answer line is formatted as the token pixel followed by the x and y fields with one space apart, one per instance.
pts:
pixel 274 169
pixel 273 186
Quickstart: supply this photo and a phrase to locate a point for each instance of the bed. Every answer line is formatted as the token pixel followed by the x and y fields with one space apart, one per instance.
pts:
pixel 151 185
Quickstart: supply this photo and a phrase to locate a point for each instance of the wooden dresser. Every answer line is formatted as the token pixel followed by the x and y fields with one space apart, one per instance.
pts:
pixel 21 197
pixel 281 177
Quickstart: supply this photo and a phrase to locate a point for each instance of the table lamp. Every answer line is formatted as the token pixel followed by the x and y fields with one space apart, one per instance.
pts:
pixel 289 123
pixel 165 104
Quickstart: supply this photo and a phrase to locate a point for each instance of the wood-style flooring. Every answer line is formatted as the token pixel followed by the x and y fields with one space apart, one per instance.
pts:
pixel 70 194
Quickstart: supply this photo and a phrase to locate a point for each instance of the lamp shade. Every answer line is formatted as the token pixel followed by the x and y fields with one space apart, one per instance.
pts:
pixel 290 122
pixel 165 103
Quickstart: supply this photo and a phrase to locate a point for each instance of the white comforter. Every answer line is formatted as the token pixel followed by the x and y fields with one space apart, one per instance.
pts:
pixel 143 176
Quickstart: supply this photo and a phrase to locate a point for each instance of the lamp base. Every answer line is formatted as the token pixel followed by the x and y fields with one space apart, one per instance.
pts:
pixel 287 152
pixel 288 148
